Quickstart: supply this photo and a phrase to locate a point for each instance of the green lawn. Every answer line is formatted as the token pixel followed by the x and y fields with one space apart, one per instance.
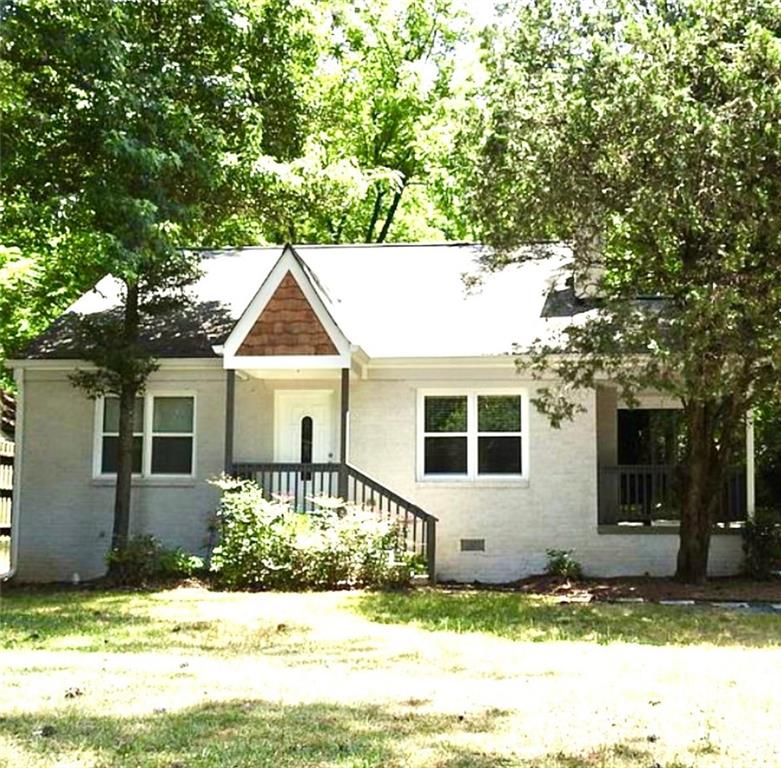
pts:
pixel 194 678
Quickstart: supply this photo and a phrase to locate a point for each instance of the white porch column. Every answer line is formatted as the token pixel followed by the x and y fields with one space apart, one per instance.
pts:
pixel 750 480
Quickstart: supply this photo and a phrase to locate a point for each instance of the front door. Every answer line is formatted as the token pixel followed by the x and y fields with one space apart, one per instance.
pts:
pixel 304 433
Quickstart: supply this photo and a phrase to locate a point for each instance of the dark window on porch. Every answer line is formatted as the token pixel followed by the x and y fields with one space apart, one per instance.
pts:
pixel 645 486
pixel 649 436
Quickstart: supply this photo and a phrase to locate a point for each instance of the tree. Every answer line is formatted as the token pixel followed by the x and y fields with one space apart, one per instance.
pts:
pixel 382 105
pixel 121 122
pixel 647 133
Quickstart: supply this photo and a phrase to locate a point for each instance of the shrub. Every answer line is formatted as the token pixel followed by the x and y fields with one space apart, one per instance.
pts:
pixel 561 563
pixel 762 544
pixel 145 559
pixel 268 545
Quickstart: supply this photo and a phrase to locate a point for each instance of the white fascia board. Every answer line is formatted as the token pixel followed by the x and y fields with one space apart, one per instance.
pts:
pixel 290 362
pixel 287 262
pixel 498 361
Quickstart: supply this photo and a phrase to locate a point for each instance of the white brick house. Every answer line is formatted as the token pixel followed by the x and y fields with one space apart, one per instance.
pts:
pixel 374 365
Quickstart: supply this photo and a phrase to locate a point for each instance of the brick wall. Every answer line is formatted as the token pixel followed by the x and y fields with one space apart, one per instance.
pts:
pixel 555 509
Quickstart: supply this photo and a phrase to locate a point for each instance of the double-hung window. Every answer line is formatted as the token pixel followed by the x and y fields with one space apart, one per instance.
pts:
pixel 163 435
pixel 471 434
pixel 109 443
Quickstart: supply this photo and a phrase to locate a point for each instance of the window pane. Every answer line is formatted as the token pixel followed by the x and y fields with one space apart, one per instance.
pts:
pixel 499 455
pixel 306 440
pixel 173 414
pixel 172 455
pixel 499 413
pixel 445 414
pixel 108 462
pixel 111 415
pixel 445 456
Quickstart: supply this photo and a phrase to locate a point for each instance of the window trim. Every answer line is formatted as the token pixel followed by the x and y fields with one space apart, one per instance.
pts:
pixel 472 435
pixel 147 437
pixel 100 433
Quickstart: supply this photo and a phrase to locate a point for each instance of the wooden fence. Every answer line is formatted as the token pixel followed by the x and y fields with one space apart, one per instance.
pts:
pixel 6 485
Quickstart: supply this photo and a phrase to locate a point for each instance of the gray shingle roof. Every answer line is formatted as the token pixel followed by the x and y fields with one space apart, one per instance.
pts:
pixel 392 300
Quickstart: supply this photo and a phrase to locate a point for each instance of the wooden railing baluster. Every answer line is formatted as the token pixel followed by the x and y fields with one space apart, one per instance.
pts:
pixel 645 494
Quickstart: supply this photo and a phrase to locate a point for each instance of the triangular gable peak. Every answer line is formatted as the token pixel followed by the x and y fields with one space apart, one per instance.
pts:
pixel 287 324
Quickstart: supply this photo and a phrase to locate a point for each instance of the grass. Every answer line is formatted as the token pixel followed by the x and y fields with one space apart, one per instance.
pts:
pixel 192 678
pixel 541 619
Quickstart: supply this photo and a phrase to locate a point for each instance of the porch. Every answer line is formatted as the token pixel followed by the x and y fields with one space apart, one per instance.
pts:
pixel 649 494
pixel 640 468
pixel 290 451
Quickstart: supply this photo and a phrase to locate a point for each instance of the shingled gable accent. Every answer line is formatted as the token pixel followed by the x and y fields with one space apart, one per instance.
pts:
pixel 287 326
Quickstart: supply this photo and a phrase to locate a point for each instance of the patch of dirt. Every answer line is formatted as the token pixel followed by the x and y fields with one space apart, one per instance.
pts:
pixel 727 589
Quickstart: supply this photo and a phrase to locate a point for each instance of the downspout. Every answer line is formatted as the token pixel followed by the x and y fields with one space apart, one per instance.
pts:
pixel 17 490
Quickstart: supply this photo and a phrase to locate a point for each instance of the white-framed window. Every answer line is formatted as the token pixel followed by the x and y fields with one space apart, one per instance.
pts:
pixel 163 435
pixel 472 434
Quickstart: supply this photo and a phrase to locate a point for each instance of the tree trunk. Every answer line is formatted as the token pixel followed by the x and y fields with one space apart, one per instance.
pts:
pixel 391 214
pixel 127 402
pixel 375 215
pixel 707 462
pixel 692 566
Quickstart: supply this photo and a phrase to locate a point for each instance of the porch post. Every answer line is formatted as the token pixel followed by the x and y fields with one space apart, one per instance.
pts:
pixel 751 502
pixel 230 400
pixel 344 437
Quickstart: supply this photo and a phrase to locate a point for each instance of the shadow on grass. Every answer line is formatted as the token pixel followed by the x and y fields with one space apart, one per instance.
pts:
pixel 119 621
pixel 259 733
pixel 539 619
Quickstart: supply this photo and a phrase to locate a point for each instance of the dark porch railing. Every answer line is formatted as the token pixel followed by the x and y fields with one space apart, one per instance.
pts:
pixel 649 493
pixel 304 483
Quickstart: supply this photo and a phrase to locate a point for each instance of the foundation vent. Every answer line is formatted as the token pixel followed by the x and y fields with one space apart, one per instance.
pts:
pixel 473 545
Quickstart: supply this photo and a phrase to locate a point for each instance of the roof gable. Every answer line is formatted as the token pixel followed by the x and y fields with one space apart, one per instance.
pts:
pixel 287 318
pixel 287 326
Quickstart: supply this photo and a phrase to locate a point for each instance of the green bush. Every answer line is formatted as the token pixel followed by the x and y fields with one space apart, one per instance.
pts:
pixel 561 563
pixel 762 544
pixel 145 560
pixel 268 545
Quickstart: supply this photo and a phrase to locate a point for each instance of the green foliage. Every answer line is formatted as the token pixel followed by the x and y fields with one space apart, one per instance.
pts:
pixel 647 135
pixel 131 129
pixel 384 104
pixel 651 147
pixel 561 563
pixel 268 545
pixel 762 544
pixel 145 560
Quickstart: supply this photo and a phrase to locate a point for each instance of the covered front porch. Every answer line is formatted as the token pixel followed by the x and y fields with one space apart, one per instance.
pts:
pixel 640 469
pixel 288 430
